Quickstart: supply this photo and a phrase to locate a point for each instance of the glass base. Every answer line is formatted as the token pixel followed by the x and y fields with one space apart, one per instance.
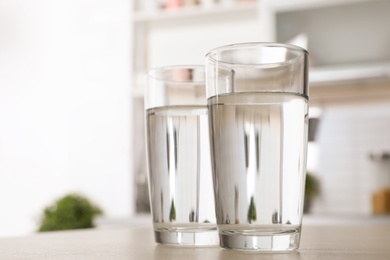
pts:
pixel 187 237
pixel 265 241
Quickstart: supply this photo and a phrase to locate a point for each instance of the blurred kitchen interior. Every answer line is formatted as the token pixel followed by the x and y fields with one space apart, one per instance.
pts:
pixel 71 87
pixel 348 42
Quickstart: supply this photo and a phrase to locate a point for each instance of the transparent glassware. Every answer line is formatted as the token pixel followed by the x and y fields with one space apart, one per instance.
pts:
pixel 178 152
pixel 258 115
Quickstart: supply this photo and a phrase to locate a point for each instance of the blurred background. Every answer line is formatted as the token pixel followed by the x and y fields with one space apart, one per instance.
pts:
pixel 71 96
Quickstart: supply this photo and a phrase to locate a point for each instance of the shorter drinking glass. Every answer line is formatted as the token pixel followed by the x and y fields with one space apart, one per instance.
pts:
pixel 179 167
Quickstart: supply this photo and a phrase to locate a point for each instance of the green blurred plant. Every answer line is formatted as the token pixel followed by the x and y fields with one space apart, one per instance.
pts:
pixel 311 191
pixel 73 211
pixel 311 186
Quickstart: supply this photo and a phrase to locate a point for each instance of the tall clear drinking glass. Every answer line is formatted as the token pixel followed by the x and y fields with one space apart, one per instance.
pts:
pixel 180 180
pixel 258 115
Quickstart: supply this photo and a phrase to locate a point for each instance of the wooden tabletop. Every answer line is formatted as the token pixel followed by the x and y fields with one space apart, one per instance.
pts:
pixel 355 241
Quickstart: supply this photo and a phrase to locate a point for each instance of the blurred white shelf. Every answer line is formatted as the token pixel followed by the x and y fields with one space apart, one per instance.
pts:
pixel 363 73
pixel 295 5
pixel 350 84
pixel 194 12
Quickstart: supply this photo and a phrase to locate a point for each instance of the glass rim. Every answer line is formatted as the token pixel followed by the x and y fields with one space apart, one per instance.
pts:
pixel 247 45
pixel 152 73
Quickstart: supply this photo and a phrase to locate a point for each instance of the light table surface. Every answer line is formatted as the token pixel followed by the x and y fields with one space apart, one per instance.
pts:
pixel 352 241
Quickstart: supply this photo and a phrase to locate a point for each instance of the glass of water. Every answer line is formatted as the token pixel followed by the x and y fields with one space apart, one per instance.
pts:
pixel 179 166
pixel 258 115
